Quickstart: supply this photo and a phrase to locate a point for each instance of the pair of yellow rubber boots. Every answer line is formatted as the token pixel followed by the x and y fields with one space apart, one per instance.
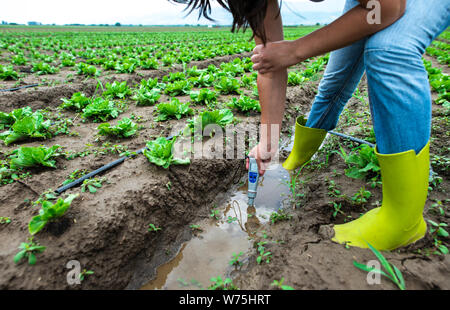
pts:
pixel 399 221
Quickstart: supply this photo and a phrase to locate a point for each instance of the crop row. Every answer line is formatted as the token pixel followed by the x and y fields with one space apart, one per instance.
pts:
pixel 123 52
pixel 24 124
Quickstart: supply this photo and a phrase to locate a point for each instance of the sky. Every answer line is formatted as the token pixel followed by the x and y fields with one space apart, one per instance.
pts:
pixel 147 12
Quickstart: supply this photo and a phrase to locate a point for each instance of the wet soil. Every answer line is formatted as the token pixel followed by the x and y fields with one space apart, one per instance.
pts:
pixel 107 232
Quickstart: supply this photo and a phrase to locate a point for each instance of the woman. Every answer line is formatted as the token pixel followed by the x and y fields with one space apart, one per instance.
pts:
pixel 390 52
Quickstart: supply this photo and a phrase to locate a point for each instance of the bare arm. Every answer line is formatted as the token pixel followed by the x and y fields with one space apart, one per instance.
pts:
pixel 272 93
pixel 349 28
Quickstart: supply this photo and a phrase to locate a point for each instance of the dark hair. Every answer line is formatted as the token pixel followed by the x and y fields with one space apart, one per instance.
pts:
pixel 246 13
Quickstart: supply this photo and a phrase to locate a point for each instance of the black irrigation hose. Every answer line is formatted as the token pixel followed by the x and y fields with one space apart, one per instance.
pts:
pixel 432 173
pixel 100 170
pixel 352 139
pixel 20 87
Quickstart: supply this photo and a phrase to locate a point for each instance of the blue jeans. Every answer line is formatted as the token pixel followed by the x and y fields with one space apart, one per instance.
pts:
pixel 399 90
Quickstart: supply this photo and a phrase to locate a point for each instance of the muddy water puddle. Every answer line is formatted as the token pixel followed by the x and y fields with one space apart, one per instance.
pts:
pixel 208 254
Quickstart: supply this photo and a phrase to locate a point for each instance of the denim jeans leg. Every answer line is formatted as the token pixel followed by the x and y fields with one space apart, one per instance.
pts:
pixel 399 90
pixel 342 75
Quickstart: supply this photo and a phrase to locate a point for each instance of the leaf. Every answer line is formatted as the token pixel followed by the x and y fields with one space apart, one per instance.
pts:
pixel 443 249
pixel 19 256
pixel 442 232
pixel 382 260
pixel 37 248
pixel 399 275
pixel 258 259
pixel 369 269
pixel 31 259
pixel 92 189
pixel 159 152
pixel 27 157
pixel 36 224
pixel 101 109
pixel 433 223
pixel 31 126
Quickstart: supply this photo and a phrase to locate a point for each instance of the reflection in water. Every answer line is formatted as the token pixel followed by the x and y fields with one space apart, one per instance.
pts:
pixel 208 254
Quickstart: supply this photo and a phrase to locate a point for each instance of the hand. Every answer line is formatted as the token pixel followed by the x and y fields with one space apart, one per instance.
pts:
pixel 262 156
pixel 274 56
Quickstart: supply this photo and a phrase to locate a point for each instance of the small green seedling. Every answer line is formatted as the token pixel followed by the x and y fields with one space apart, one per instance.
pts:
pixel 393 273
pixel 5 220
pixel 235 260
pixel 337 208
pixel 361 196
pixel 152 227
pixel 231 219
pixel 85 273
pixel 438 207
pixel 333 188
pixel 280 215
pixel 76 174
pixel 263 255
pixel 215 213
pixel 29 251
pixel 195 227
pixel 279 284
pixel 169 185
pixel 182 282
pixel 219 284
pixel 436 231
pixel 92 184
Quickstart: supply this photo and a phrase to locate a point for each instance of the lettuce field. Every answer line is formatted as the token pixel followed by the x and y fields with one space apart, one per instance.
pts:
pixel 74 99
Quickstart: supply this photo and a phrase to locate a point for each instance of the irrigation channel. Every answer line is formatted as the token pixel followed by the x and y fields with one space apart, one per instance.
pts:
pixel 209 252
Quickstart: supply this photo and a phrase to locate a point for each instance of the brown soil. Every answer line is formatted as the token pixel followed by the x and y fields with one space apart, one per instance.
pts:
pixel 107 231
pixel 307 258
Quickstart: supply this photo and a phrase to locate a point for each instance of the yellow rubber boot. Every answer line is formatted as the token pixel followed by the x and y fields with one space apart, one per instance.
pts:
pixel 306 142
pixel 399 221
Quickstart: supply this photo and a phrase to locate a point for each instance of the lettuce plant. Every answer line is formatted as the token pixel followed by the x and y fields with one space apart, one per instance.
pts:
pixel 203 80
pixel 8 73
pixel 101 109
pixel 49 212
pixel 245 104
pixel 221 117
pixel 88 70
pixel 173 109
pixel 160 153
pixel 149 64
pixel 77 102
pixel 178 88
pixel 204 96
pixel 125 128
pixel 117 90
pixel 228 85
pixel 32 126
pixel 42 68
pixel 8 119
pixel 27 157
pixel 174 77
pixel 146 97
